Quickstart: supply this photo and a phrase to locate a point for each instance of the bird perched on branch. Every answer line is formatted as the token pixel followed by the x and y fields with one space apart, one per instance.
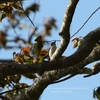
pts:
pixel 52 49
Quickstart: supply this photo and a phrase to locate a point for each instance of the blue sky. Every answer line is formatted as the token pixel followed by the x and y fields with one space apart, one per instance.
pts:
pixel 77 87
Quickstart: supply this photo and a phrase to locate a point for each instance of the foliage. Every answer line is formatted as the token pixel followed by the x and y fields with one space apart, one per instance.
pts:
pixel 77 42
pixel 29 54
pixel 7 8
pixel 15 15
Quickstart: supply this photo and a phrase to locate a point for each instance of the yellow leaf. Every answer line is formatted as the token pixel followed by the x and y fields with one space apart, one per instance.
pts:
pixel 75 44
pixel 80 42
pixel 43 54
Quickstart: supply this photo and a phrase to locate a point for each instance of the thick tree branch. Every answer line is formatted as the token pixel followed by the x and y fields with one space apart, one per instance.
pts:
pixel 5 61
pixel 95 69
pixel 50 77
pixel 65 29
pixel 79 68
pixel 88 44
pixel 94 56
pixel 83 51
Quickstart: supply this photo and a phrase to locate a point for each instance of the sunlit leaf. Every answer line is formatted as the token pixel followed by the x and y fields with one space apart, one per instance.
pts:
pixel 29 61
pixel 18 58
pixel 75 44
pixel 80 42
pixel 77 41
pixel 43 54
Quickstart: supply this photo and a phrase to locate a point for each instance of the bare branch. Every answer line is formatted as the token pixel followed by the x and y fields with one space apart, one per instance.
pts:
pixel 64 79
pixel 65 29
pixel 79 68
pixel 5 61
pixel 83 51
pixel 85 22
pixel 88 44
pixel 14 90
pixel 49 77
pixel 26 13
pixel 95 69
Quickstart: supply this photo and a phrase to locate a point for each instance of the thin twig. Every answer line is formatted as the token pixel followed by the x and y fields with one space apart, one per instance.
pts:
pixel 13 27
pixel 52 41
pixel 26 14
pixel 14 90
pixel 66 78
pixel 85 22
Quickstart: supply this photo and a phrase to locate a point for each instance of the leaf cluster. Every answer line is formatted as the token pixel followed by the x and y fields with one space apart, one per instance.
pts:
pixel 7 8
pixel 15 13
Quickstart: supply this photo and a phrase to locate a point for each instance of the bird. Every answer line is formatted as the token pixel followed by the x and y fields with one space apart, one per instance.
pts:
pixel 52 49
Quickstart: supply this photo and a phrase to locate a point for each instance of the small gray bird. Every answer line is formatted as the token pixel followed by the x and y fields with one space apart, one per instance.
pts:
pixel 52 49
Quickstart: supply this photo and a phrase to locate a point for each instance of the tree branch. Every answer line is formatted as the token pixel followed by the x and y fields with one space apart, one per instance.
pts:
pixel 83 51
pixel 34 92
pixel 89 42
pixel 79 68
pixel 50 77
pixel 65 29
pixel 95 69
